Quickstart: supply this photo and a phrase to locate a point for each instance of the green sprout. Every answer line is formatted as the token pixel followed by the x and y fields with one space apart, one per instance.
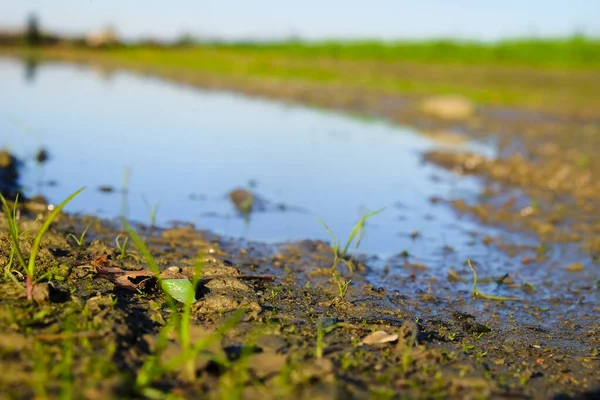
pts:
pixel 342 285
pixel 13 228
pixel 478 294
pixel 358 232
pixel 322 331
pixel 79 240
pixel 122 247
pixel 152 210
pixel 66 364
pixel 231 384
pixel 406 356
pixel 125 191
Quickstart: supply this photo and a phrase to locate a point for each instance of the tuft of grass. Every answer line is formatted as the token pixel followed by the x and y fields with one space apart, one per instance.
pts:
pixel 13 227
pixel 231 383
pixel 15 250
pixel 478 294
pixel 358 232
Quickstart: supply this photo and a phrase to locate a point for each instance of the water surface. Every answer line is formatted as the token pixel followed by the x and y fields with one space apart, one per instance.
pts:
pixel 187 148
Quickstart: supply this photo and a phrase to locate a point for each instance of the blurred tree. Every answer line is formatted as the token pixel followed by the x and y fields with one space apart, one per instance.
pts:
pixel 185 40
pixel 33 36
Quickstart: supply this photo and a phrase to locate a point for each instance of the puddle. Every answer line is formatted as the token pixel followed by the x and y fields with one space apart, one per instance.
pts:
pixel 185 150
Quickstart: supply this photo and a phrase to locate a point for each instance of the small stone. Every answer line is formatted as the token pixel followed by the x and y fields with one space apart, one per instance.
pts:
pixel 227 284
pixel 41 293
pixel 222 303
pixel 267 365
pixel 320 368
pixel 98 303
pixel 576 267
pixel 450 107
pixel 242 200
pixel 158 318
pixel 271 343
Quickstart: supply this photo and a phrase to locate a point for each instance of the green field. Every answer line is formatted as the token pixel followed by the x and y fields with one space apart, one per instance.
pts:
pixel 561 76
pixel 575 52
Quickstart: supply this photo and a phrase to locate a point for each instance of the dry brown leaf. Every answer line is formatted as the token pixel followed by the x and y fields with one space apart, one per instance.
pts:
pixel 379 337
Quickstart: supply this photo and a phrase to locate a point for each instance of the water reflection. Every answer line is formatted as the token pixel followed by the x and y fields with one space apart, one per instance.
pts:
pixel 30 65
pixel 9 175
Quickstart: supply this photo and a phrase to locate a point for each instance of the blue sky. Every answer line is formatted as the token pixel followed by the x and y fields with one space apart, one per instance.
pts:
pixel 313 19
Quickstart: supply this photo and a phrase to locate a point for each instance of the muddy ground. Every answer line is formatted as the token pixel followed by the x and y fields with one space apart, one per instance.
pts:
pixel 94 323
pixel 94 329
pixel 88 333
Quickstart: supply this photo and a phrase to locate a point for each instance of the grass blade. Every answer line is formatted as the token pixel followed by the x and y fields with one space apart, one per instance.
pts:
pixel 13 228
pixel 139 243
pixel 44 228
pixel 333 239
pixel 478 294
pixel 358 228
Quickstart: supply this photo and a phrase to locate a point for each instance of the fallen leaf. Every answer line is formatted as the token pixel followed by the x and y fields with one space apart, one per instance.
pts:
pixel 129 280
pixel 99 262
pixel 379 337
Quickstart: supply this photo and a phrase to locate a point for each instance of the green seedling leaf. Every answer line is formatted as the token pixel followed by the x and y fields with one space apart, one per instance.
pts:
pixel 152 265
pixel 359 230
pixel 333 239
pixel 139 243
pixel 179 289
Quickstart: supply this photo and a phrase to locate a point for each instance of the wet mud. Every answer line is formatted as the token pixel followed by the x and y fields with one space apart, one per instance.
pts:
pixel 97 317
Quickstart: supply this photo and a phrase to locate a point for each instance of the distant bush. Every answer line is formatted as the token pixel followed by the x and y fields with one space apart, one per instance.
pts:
pixel 33 35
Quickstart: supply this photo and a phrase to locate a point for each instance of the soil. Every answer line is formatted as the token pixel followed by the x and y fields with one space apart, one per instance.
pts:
pixel 99 317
